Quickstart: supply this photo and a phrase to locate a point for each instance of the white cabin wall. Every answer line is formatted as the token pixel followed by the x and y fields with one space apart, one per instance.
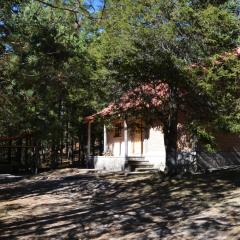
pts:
pixel 109 163
pixel 155 148
pixel 115 144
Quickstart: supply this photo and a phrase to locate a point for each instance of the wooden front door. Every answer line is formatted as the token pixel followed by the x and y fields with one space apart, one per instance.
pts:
pixel 137 145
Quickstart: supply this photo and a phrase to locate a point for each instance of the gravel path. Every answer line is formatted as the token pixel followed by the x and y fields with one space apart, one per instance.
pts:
pixel 73 204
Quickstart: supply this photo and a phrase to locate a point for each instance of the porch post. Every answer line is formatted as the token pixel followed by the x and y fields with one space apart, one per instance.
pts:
pixel 146 133
pixel 104 138
pixel 126 138
pixel 89 140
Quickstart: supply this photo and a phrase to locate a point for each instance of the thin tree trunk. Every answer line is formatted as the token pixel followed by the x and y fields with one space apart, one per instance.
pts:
pixel 67 137
pixel 26 152
pixel 82 136
pixel 53 155
pixel 42 153
pixel 72 151
pixel 79 151
pixel 10 152
pixel 36 157
pixel 61 150
pixel 170 134
pixel 19 153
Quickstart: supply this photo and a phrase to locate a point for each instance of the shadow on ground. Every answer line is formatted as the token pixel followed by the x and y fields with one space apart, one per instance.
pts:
pixel 92 207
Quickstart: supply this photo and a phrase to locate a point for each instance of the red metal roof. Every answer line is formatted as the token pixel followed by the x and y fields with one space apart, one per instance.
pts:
pixel 148 95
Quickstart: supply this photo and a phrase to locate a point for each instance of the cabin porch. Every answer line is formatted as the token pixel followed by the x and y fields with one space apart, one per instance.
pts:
pixel 129 148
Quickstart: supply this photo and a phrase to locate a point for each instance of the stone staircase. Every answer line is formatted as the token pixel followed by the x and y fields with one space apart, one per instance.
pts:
pixel 140 164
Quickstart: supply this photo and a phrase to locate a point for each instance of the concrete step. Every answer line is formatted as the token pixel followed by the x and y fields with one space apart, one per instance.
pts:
pixel 139 173
pixel 137 161
pixel 135 158
pixel 143 164
pixel 146 169
pixel 139 165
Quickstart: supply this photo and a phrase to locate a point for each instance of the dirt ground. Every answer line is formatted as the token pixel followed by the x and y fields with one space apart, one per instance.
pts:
pixel 73 204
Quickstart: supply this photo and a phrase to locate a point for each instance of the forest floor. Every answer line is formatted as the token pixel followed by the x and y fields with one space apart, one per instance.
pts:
pixel 74 204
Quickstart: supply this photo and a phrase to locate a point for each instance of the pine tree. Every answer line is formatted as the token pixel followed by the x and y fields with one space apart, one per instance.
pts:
pixel 148 41
pixel 47 72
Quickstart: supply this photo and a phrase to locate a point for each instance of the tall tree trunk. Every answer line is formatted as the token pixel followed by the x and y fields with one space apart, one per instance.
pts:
pixel 67 137
pixel 10 152
pixel 54 154
pixel 26 162
pixel 82 136
pixel 72 151
pixel 19 154
pixel 170 134
pixel 79 151
pixel 61 150
pixel 35 157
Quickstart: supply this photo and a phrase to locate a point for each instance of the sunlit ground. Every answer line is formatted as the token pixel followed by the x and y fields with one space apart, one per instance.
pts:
pixel 71 204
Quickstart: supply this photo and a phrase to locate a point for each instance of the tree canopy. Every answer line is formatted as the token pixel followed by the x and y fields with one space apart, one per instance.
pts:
pixel 47 71
pixel 63 60
pixel 147 41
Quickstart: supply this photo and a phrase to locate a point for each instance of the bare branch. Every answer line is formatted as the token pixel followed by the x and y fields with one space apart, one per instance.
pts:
pixel 65 8
pixel 54 6
pixel 103 9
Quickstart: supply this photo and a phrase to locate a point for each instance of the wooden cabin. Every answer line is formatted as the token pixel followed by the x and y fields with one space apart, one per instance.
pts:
pixel 131 144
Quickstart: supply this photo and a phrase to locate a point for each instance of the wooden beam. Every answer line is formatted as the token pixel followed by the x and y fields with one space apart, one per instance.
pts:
pixel 126 138
pixel 104 138
pixel 89 139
